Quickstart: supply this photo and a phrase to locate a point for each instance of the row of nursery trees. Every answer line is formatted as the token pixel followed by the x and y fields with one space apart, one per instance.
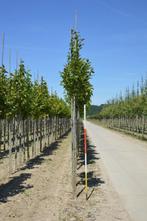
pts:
pixel 130 105
pixel 25 106
pixel 31 118
pixel 21 97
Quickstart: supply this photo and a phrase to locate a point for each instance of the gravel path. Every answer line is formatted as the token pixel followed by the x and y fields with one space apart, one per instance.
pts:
pixel 125 159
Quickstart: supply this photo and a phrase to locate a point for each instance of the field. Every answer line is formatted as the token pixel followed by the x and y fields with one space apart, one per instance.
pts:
pixel 42 190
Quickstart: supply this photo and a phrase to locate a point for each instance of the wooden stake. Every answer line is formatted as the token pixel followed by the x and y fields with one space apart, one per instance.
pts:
pixel 76 20
pixel 10 146
pixel 3 43
pixel 73 111
pixel 85 152
pixel 9 61
pixel 17 59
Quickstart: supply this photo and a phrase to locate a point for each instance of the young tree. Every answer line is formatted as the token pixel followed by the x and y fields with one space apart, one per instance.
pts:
pixel 76 82
pixel 77 73
pixel 40 102
pixel 3 92
pixel 20 93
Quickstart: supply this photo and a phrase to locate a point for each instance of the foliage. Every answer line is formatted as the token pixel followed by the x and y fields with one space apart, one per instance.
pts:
pixel 40 102
pixel 132 104
pixel 93 110
pixel 20 93
pixel 77 73
pixel 20 97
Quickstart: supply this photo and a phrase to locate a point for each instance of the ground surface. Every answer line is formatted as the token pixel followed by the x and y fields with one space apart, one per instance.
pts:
pixel 125 159
pixel 42 190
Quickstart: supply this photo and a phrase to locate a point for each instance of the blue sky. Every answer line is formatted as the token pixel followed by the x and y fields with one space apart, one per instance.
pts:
pixel 115 34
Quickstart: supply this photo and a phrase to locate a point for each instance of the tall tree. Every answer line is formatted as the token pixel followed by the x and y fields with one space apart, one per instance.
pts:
pixel 77 73
pixel 20 93
pixel 40 102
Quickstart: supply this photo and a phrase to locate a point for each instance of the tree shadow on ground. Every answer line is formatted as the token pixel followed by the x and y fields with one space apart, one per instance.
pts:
pixel 49 150
pixel 92 156
pixel 14 186
pixel 92 180
pixel 5 153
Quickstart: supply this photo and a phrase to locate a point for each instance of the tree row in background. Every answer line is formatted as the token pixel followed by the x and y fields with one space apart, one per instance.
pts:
pixel 21 97
pixel 128 112
pixel 132 104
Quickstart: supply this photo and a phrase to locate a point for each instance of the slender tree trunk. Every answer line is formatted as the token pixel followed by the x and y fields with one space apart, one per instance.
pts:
pixel 73 114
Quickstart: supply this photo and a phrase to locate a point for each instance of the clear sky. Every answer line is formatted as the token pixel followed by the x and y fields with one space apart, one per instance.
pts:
pixel 115 33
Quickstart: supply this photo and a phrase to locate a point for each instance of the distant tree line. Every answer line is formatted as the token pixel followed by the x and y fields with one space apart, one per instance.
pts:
pixel 133 103
pixel 127 112
pixel 94 110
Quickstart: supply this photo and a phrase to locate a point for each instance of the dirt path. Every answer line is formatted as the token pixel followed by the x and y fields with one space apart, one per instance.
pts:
pixel 125 159
pixel 42 190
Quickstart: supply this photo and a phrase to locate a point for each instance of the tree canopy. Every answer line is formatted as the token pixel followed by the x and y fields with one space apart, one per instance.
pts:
pixel 132 104
pixel 21 97
pixel 77 73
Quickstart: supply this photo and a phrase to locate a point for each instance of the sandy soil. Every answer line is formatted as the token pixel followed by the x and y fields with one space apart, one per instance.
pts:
pixel 42 191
